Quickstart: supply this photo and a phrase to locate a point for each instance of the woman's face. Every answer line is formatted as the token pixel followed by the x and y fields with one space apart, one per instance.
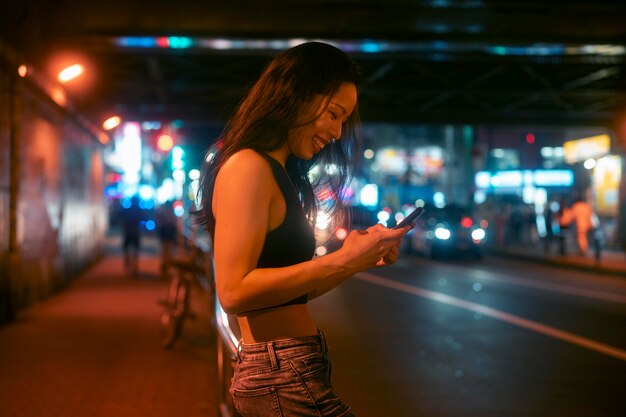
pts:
pixel 305 141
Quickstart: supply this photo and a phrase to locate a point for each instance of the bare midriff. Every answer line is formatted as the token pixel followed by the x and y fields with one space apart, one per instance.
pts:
pixel 276 323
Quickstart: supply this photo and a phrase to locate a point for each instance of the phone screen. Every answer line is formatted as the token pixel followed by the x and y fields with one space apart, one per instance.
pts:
pixel 408 219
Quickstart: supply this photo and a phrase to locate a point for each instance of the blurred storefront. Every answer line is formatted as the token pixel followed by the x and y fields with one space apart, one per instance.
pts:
pixel 546 169
pixel 513 168
pixel 599 177
pixel 409 163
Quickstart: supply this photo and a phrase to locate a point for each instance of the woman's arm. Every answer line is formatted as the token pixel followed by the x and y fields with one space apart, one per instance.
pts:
pixel 242 204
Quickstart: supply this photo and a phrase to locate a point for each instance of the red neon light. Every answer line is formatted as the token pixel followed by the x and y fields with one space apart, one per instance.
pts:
pixel 466 222
pixel 163 42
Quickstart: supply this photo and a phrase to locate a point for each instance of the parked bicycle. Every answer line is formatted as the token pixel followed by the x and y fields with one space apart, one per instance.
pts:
pixel 176 306
pixel 198 268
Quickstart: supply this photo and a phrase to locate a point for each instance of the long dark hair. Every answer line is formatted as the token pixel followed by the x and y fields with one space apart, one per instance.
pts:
pixel 272 109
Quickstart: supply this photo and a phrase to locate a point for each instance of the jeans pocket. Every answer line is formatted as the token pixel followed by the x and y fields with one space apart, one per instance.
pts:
pixel 260 402
pixel 316 365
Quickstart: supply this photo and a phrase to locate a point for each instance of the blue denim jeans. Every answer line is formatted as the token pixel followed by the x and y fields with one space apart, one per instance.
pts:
pixel 286 378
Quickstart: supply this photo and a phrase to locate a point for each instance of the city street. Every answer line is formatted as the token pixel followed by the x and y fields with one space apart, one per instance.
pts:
pixel 497 338
pixel 501 338
pixel 242 139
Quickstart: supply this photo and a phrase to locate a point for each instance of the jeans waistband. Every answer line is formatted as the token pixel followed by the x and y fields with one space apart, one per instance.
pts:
pixel 275 347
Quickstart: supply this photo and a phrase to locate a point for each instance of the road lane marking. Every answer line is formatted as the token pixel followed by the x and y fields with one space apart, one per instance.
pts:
pixel 496 314
pixel 559 288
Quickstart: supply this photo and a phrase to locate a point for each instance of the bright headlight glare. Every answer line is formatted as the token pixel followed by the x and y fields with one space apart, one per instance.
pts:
pixel 478 234
pixel 442 233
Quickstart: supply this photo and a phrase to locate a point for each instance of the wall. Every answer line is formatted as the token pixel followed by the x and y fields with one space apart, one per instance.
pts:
pixel 4 193
pixel 52 213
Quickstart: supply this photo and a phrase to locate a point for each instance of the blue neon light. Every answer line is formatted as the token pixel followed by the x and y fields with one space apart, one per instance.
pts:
pixel 379 46
pixel 179 42
pixel 546 50
pixel 371 47
pixel 137 42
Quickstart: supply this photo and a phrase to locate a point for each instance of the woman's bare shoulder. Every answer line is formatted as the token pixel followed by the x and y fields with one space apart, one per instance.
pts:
pixel 245 165
pixel 245 159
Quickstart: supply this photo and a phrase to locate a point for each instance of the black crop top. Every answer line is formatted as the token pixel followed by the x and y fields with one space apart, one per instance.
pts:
pixel 293 241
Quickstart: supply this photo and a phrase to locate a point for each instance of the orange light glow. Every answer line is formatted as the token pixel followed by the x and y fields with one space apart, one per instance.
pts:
pixel 165 143
pixel 58 95
pixel 22 70
pixel 103 138
pixel 111 123
pixel 70 73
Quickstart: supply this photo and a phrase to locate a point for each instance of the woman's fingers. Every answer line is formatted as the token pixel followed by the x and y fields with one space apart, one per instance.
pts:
pixel 376 228
pixel 376 246
pixel 391 256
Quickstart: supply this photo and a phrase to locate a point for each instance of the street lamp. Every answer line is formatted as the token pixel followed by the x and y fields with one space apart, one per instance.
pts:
pixel 111 123
pixel 70 73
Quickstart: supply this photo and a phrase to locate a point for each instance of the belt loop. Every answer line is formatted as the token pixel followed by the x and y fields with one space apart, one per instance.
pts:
pixel 273 358
pixel 323 342
pixel 239 347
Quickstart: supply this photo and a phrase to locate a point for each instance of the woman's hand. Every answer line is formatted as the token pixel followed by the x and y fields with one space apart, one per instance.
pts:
pixel 390 258
pixel 376 246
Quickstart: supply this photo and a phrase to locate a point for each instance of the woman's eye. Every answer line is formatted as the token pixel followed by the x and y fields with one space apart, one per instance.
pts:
pixel 333 116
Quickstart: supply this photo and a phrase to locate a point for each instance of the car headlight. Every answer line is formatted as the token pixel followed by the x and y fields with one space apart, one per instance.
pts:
pixel 478 234
pixel 442 233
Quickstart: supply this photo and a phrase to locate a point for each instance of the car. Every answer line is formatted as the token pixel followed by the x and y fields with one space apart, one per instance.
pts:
pixel 449 231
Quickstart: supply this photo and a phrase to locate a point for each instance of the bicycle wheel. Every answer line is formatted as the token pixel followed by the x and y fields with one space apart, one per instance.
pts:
pixel 174 311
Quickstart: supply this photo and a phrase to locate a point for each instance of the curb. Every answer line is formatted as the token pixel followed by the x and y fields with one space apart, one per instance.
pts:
pixel 592 266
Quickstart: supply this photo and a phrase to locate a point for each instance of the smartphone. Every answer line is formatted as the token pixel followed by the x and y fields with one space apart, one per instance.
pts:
pixel 412 216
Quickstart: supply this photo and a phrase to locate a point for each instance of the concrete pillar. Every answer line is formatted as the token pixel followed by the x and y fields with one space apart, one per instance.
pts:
pixel 618 147
pixel 459 141
pixel 621 215
pixel 7 302
pixel 14 143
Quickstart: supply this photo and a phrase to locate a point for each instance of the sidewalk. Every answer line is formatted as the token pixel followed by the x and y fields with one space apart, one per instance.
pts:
pixel 610 262
pixel 93 350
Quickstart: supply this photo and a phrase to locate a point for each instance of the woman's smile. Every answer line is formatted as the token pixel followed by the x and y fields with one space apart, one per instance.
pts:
pixel 319 143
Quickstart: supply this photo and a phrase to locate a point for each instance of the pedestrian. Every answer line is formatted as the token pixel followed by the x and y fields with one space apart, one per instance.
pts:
pixel 517 221
pixel 502 225
pixel 582 215
pixel 258 201
pixel 167 230
pixel 548 221
pixel 564 219
pixel 132 217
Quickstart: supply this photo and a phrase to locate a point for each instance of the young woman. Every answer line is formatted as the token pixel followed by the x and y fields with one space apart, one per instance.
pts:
pixel 259 203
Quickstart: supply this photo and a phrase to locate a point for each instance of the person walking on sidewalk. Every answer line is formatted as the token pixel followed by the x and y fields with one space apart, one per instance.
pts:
pixel 564 218
pixel 258 202
pixel 131 230
pixel 582 215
